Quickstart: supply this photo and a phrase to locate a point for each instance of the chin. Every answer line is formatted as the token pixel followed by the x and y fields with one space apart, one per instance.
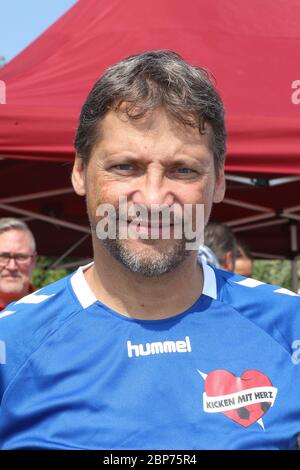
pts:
pixel 149 246
pixel 12 287
pixel 158 258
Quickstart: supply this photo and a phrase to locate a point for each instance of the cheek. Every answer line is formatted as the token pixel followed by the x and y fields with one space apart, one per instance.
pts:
pixel 94 191
pixel 25 272
pixel 205 196
pixel 202 193
pixel 105 190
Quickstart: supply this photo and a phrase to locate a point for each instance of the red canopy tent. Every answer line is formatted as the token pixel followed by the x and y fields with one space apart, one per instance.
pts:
pixel 253 50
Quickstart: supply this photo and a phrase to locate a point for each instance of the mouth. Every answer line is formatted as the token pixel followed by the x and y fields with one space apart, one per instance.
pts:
pixel 147 225
pixel 10 278
pixel 150 230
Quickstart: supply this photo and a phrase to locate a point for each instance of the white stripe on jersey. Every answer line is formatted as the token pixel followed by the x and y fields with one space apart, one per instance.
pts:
pixel 6 313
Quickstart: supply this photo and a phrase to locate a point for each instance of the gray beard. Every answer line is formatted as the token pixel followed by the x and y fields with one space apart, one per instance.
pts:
pixel 158 264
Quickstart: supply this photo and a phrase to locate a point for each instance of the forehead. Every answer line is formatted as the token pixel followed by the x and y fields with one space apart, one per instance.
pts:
pixel 154 129
pixel 15 240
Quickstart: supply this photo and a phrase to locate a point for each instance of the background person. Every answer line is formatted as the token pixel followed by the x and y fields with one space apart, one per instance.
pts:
pixel 17 260
pixel 244 260
pixel 221 242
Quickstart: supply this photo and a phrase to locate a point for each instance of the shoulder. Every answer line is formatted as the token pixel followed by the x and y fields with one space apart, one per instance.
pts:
pixel 272 308
pixel 25 324
pixel 248 291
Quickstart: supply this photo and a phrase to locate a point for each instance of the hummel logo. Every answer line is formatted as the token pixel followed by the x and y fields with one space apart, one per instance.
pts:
pixel 159 347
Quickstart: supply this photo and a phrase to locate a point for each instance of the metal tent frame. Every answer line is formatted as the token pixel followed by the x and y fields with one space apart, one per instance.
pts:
pixel 263 216
pixel 261 219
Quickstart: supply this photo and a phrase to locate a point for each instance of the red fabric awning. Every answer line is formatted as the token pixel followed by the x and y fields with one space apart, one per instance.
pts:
pixel 252 48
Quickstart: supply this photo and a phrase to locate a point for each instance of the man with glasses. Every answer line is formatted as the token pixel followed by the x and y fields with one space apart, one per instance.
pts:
pixel 17 260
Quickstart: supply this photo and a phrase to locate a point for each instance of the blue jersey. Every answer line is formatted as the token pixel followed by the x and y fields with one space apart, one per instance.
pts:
pixel 224 374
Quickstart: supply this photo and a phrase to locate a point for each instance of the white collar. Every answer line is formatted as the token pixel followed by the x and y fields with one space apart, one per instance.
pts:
pixel 210 281
pixel 86 297
pixel 81 288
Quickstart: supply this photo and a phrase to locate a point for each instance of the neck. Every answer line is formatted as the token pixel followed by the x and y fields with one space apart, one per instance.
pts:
pixel 137 296
pixel 3 303
pixel 6 299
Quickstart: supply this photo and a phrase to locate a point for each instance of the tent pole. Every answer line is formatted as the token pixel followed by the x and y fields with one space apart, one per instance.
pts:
pixel 66 253
pixel 243 228
pixel 39 195
pixel 294 248
pixel 290 216
pixel 247 205
pixel 251 218
pixel 45 218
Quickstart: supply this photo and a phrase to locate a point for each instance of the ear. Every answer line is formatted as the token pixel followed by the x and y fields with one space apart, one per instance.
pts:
pixel 220 186
pixel 78 176
pixel 229 261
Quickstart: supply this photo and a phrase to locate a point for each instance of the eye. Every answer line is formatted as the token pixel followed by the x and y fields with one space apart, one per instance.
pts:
pixel 123 167
pixel 21 257
pixel 183 172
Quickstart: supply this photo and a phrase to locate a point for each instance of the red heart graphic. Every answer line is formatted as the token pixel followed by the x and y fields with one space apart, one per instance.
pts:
pixel 222 382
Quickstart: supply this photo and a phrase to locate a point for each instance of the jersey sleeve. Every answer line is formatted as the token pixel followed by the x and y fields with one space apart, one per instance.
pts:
pixel 273 308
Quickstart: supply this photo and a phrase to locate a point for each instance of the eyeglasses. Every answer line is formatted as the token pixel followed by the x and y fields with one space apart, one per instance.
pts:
pixel 20 258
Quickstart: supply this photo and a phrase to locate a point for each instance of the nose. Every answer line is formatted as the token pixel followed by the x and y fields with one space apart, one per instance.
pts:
pixel 12 264
pixel 153 188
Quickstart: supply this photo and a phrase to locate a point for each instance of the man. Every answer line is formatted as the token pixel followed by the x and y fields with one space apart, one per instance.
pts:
pixel 17 260
pixel 220 240
pixel 144 348
pixel 244 261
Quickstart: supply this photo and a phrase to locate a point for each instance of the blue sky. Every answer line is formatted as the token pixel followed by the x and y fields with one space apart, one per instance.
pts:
pixel 22 21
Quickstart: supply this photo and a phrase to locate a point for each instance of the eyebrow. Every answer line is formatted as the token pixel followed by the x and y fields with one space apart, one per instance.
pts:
pixel 180 160
pixel 9 253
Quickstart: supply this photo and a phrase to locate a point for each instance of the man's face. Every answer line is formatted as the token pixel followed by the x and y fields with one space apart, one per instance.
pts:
pixel 15 276
pixel 153 160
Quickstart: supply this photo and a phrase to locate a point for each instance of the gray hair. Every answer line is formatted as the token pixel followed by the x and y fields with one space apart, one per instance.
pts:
pixel 150 80
pixel 10 223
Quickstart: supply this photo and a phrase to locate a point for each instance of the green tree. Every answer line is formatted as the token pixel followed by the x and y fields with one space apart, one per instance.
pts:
pixel 278 272
pixel 44 275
